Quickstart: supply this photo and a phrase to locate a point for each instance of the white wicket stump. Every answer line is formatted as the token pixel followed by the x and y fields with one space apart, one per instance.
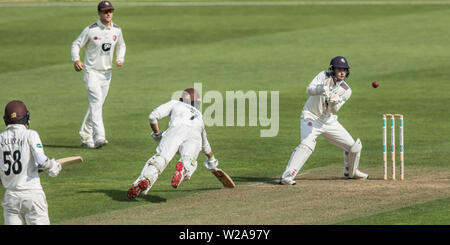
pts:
pixel 401 145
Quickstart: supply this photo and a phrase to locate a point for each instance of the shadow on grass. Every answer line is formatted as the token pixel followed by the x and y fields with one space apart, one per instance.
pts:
pixel 121 196
pixel 243 179
pixel 64 146
pixel 189 190
pixel 276 181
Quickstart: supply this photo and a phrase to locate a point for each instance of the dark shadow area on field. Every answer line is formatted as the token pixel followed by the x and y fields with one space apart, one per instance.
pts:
pixel 191 190
pixel 121 196
pixel 273 181
pixel 63 146
pixel 321 178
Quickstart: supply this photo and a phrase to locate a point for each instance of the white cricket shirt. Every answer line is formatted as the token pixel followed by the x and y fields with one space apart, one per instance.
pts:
pixel 100 42
pixel 182 114
pixel 316 106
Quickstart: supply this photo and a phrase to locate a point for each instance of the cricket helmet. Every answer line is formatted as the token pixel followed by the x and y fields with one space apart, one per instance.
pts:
pixel 339 62
pixel 192 97
pixel 16 112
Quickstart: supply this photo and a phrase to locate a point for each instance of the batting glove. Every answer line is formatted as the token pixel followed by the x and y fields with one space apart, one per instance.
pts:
pixel 335 99
pixel 54 169
pixel 211 164
pixel 157 136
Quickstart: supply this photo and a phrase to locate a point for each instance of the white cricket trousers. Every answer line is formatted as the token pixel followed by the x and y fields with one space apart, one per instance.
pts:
pixel 97 85
pixel 310 129
pixel 334 132
pixel 28 206
pixel 181 139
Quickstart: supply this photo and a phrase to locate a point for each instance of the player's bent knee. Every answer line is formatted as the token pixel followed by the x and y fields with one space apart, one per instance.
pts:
pixel 356 147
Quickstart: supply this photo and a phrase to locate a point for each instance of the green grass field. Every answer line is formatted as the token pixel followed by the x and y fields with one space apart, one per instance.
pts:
pixel 229 48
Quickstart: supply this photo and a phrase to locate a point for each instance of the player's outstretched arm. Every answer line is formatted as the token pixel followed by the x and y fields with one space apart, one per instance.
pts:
pixel 156 132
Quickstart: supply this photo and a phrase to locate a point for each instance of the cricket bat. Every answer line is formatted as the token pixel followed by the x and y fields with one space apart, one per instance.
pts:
pixel 224 178
pixel 69 160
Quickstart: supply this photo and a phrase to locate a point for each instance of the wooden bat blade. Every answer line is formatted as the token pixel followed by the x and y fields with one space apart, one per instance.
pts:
pixel 69 160
pixel 224 178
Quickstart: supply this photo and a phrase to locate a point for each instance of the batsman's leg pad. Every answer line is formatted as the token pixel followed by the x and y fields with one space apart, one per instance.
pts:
pixel 353 158
pixel 158 162
pixel 296 162
pixel 346 164
pixel 152 169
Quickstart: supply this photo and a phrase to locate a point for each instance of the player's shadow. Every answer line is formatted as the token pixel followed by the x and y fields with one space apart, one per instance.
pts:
pixel 267 180
pixel 63 146
pixel 194 189
pixel 121 196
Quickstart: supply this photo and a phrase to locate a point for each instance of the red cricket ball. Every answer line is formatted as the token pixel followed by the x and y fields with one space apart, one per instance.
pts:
pixel 375 84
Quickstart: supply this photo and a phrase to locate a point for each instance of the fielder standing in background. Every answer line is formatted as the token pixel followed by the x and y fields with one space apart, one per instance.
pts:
pixel 22 155
pixel 186 135
pixel 328 92
pixel 100 40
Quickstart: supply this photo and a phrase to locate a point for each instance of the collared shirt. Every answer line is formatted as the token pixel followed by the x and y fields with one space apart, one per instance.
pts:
pixel 100 42
pixel 19 148
pixel 182 114
pixel 317 107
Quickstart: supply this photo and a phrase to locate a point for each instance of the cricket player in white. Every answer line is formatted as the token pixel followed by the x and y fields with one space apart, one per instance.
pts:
pixel 186 135
pixel 22 156
pixel 328 92
pixel 100 39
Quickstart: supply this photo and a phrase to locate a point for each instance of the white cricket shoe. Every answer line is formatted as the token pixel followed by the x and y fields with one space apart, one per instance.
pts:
pixel 287 181
pixel 101 143
pixel 88 145
pixel 358 174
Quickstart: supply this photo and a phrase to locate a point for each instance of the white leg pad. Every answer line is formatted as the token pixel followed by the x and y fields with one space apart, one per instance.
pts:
pixel 296 162
pixel 346 163
pixel 158 161
pixel 151 171
pixel 353 158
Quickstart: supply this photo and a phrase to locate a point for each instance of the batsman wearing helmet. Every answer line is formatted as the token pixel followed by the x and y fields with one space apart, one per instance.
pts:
pixel 327 92
pixel 100 39
pixel 22 156
pixel 186 135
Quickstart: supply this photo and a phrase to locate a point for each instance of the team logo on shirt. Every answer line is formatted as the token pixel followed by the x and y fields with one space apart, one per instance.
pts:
pixel 106 47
